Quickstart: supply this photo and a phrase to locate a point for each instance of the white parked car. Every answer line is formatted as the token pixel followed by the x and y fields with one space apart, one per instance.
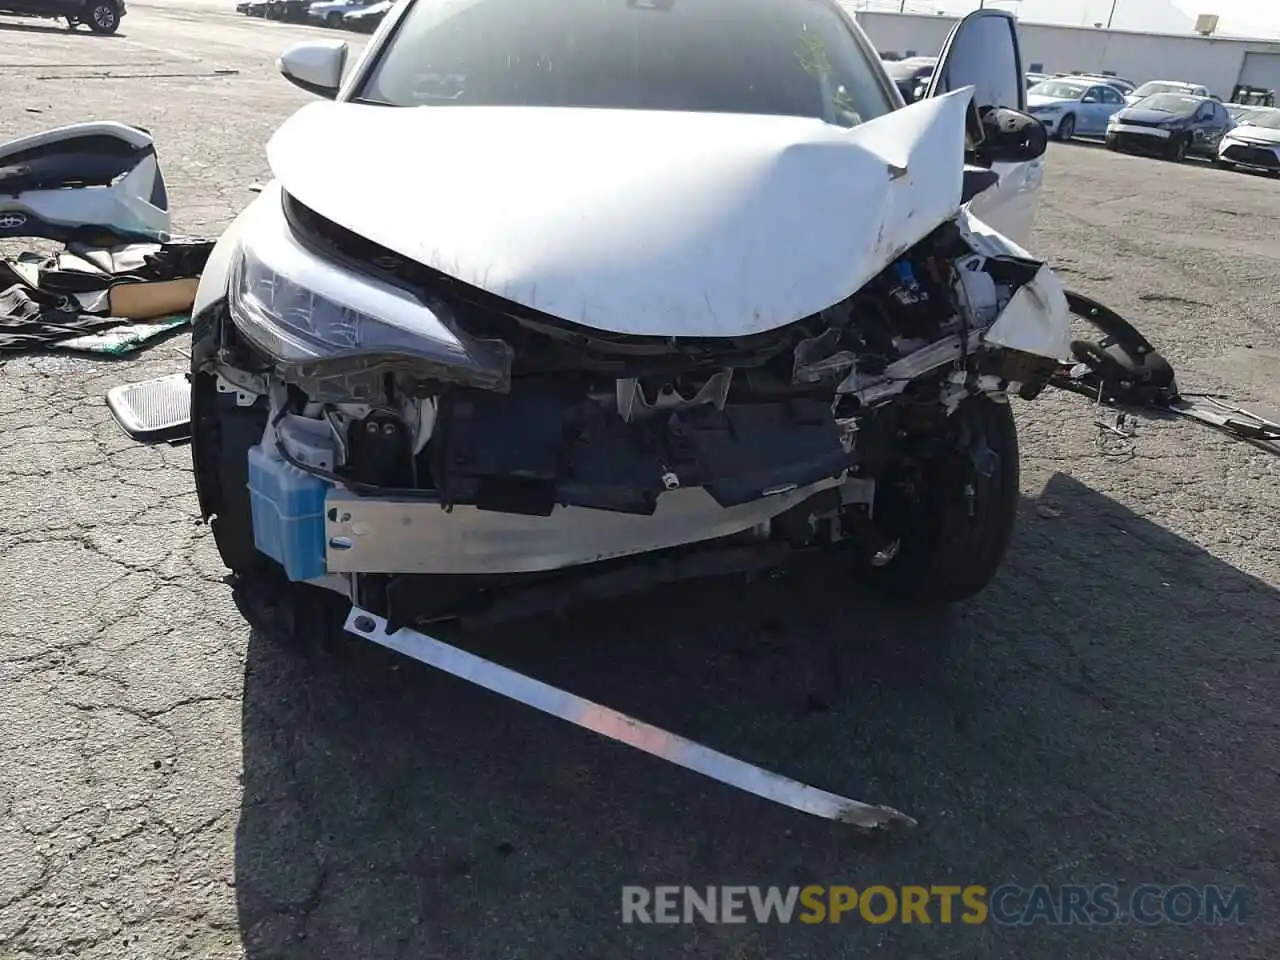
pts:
pixel 1254 142
pixel 331 12
pixel 1167 86
pixel 1070 106
pixel 643 279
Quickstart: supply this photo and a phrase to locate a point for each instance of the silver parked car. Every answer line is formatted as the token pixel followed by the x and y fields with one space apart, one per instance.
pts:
pixel 1071 106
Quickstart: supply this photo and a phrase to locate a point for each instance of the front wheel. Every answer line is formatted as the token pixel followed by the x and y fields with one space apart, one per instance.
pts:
pixel 950 516
pixel 333 20
pixel 1177 151
pixel 1067 128
pixel 104 17
pixel 222 432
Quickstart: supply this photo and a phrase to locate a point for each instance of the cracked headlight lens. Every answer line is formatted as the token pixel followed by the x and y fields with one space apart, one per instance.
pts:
pixel 301 309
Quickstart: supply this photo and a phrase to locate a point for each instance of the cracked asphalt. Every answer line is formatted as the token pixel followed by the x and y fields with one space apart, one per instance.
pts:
pixel 175 784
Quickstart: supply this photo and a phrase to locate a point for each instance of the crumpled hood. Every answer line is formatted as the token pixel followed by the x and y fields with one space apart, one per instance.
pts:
pixel 634 222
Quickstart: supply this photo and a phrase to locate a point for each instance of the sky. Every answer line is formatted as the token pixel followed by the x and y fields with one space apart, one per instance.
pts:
pixel 1259 18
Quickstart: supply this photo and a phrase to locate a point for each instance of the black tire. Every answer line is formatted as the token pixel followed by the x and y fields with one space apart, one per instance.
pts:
pixel 1178 147
pixel 104 17
pixel 333 20
pixel 953 532
pixel 221 434
pixel 1067 128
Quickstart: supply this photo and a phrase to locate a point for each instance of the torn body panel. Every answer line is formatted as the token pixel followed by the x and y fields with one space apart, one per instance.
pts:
pixel 83 182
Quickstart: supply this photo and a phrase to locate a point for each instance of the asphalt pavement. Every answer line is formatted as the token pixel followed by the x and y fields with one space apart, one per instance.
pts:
pixel 175 784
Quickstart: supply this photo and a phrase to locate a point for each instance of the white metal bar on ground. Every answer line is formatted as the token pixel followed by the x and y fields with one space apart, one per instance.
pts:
pixel 618 726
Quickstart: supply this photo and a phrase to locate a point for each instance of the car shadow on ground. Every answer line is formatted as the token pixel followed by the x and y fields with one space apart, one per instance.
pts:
pixel 1109 693
pixel 54 26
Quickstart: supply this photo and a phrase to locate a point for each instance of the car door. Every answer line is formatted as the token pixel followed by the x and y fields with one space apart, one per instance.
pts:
pixel 1091 118
pixel 1112 102
pixel 1222 124
pixel 1202 129
pixel 982 51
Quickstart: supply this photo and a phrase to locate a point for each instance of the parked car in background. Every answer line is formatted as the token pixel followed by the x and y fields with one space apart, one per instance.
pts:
pixel 1254 142
pixel 1239 111
pixel 1125 87
pixel 292 11
pixel 1069 106
pixel 911 76
pixel 331 12
pixel 1171 125
pixel 1167 86
pixel 100 16
pixel 366 20
pixel 1034 78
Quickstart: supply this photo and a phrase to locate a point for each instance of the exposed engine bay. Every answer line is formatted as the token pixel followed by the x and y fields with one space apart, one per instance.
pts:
pixel 612 424
pixel 578 418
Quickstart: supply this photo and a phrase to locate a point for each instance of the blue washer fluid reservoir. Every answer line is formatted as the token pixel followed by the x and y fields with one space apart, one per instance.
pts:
pixel 288 514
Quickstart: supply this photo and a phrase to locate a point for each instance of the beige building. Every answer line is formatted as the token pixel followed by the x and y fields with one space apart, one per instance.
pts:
pixel 1220 63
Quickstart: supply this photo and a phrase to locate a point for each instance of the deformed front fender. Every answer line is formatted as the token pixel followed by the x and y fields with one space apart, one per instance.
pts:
pixel 1037 318
pixel 217 269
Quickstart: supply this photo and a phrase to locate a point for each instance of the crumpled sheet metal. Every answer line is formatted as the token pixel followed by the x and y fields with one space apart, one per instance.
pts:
pixel 622 728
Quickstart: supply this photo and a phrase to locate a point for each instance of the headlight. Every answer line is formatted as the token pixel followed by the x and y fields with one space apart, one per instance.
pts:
pixel 301 309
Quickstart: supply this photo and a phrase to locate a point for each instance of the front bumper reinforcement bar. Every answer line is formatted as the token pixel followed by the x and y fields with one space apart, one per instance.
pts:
pixel 622 728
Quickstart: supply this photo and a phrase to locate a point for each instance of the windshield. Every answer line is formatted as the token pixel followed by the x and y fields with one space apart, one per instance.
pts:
pixel 1170 103
pixel 1059 89
pixel 778 57
pixel 1147 89
pixel 1262 117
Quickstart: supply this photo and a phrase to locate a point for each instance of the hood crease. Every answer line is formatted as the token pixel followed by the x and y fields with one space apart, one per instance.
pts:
pixel 634 222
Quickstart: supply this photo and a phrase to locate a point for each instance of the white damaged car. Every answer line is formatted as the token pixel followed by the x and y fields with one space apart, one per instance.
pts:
pixel 641 289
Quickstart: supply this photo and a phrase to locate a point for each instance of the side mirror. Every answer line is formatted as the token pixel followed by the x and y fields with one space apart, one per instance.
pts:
pixel 1011 136
pixel 315 66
